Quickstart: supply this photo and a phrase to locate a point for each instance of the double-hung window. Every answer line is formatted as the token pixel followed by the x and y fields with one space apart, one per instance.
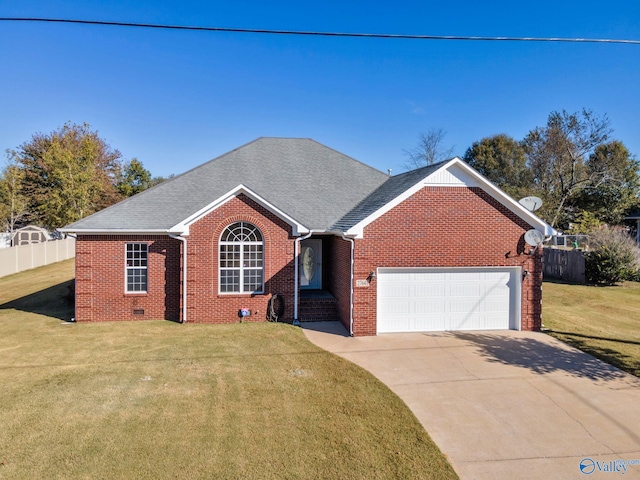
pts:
pixel 136 267
pixel 241 259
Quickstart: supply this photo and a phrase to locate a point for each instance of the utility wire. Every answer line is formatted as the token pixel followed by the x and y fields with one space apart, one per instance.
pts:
pixel 325 34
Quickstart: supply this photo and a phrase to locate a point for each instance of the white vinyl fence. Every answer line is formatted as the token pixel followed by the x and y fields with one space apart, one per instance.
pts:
pixel 25 257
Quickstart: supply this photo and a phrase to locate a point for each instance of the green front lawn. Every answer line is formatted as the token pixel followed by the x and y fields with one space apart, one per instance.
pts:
pixel 162 400
pixel 602 321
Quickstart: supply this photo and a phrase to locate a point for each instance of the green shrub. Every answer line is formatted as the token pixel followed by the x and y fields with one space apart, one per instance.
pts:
pixel 614 257
pixel 585 223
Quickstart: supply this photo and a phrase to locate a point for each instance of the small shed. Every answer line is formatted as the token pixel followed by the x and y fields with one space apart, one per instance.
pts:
pixel 5 240
pixel 29 234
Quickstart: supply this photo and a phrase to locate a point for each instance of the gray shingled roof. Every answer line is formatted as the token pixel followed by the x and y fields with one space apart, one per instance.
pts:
pixel 314 184
pixel 392 188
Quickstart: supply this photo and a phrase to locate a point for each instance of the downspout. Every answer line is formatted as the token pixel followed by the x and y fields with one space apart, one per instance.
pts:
pixel 351 285
pixel 75 314
pixel 184 275
pixel 296 248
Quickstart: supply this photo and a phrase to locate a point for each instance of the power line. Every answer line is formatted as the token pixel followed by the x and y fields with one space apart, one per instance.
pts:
pixel 325 34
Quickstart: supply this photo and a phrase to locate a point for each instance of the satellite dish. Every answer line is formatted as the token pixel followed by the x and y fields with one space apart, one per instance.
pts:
pixel 533 237
pixel 531 203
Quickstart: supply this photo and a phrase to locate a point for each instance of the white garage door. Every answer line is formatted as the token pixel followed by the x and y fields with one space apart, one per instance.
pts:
pixel 432 299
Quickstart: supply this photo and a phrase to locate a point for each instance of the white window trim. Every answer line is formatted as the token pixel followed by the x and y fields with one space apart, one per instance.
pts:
pixel 127 267
pixel 240 269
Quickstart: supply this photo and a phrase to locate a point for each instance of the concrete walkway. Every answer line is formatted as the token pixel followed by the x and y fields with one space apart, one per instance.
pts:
pixel 507 404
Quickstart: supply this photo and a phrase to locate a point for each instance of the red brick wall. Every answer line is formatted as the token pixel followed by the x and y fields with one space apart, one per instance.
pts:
pixel 100 272
pixel 445 227
pixel 339 284
pixel 204 303
pixel 100 279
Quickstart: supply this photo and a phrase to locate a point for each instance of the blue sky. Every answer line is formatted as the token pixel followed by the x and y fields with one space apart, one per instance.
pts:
pixel 177 99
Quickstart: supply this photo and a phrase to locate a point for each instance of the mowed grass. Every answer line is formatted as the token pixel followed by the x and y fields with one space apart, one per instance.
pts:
pixel 163 400
pixel 602 321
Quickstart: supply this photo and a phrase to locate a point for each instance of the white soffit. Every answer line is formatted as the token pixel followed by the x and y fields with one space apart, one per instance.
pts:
pixel 451 175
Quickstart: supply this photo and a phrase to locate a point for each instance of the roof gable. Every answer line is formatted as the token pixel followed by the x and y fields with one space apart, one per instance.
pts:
pixel 451 173
pixel 311 184
pixel 182 228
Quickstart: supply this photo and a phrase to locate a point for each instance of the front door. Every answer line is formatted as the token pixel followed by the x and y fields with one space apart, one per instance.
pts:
pixel 311 264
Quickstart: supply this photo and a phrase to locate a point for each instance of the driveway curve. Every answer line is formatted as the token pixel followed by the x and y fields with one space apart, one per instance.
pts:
pixel 506 404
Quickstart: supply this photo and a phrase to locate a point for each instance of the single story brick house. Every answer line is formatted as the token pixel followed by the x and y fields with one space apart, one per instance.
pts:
pixel 439 248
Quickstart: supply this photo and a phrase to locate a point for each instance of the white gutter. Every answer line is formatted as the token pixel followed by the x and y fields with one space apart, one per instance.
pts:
pixel 184 274
pixel 351 284
pixel 296 248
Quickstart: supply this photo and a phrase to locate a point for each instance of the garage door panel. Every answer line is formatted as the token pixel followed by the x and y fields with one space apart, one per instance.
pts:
pixel 447 299
pixel 429 307
pixel 496 309
pixel 397 324
pixel 468 276
pixel 493 298
pixel 428 324
pixel 428 277
pixel 465 290
pixel 399 291
pixel 467 322
pixel 464 306
pixel 501 278
pixel 429 290
pixel 497 299
pixel 398 277
pixel 499 289
pixel 396 307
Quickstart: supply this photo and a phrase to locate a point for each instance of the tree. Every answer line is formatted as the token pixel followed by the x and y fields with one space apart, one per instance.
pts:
pixel 135 178
pixel 13 205
pixel 585 223
pixel 558 154
pixel 502 160
pixel 615 183
pixel 429 149
pixel 159 179
pixel 68 174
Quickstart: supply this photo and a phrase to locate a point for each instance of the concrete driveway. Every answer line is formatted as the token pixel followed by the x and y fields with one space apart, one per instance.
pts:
pixel 506 404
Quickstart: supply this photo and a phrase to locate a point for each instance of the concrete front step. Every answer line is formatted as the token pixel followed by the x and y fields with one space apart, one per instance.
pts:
pixel 318 318
pixel 318 309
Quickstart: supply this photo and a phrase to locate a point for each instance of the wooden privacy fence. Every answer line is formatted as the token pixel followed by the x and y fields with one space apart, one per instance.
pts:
pixel 24 257
pixel 566 265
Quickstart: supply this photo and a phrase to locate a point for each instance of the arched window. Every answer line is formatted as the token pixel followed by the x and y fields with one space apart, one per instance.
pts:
pixel 241 259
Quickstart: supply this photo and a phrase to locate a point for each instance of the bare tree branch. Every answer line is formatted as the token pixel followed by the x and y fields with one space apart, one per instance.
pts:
pixel 429 150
